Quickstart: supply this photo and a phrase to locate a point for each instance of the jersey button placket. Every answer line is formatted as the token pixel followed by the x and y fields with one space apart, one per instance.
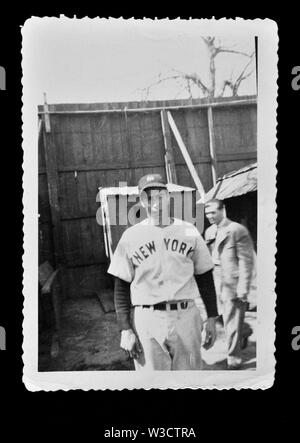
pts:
pixel 159 255
pixel 163 283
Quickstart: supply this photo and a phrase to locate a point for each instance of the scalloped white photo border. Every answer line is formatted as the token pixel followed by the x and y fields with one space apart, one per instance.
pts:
pixel 263 376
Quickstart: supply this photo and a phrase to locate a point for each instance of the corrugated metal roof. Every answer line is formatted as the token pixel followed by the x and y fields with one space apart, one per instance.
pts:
pixel 235 183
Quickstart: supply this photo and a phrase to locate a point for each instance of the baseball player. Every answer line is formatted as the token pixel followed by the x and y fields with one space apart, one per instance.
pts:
pixel 160 266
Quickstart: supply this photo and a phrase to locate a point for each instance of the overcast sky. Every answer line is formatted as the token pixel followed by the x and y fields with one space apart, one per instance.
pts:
pixel 78 61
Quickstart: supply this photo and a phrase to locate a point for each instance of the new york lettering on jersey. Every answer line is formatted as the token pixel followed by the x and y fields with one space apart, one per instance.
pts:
pixel 160 263
pixel 149 248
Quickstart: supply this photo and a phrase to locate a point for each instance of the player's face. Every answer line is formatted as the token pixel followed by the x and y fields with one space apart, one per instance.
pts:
pixel 156 201
pixel 214 214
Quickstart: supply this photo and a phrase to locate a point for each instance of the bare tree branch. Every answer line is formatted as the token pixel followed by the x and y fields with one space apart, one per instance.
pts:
pixel 233 51
pixel 239 81
pixel 209 41
pixel 189 89
pixel 197 81
pixel 159 81
pixel 234 85
pixel 247 64
pixel 243 76
pixel 192 80
pixel 188 78
pixel 225 84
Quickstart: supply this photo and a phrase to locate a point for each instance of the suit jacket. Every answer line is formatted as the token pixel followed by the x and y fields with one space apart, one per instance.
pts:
pixel 236 254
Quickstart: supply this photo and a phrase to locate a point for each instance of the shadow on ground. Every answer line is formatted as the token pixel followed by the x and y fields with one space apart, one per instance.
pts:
pixel 90 341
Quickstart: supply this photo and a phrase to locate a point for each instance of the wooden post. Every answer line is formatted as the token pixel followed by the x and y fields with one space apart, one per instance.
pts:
pixel 131 172
pixel 106 224
pixel 169 180
pixel 187 158
pixel 53 186
pixel 213 158
pixel 46 115
pixel 169 157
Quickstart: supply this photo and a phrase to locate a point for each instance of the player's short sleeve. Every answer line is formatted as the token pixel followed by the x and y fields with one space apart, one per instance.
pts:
pixel 201 256
pixel 120 265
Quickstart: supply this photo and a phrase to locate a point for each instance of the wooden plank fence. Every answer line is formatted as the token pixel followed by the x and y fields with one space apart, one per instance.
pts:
pixel 93 145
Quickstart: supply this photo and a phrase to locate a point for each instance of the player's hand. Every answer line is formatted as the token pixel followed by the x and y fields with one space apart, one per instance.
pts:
pixel 210 333
pixel 130 344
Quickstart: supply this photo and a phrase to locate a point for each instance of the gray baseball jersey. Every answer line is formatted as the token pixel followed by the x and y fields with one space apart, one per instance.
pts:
pixel 160 263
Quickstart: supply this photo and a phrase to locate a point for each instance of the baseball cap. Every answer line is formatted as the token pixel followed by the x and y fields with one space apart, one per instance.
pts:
pixel 151 181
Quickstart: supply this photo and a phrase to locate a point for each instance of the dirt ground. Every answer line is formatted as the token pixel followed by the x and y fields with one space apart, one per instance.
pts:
pixel 90 341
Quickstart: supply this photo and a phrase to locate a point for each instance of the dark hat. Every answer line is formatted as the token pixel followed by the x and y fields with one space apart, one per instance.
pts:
pixel 151 181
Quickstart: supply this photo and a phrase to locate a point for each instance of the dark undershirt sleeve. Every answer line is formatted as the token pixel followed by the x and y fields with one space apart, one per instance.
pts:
pixel 122 303
pixel 206 286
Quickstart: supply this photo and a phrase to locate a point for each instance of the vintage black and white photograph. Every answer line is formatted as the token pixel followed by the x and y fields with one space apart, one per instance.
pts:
pixel 149 203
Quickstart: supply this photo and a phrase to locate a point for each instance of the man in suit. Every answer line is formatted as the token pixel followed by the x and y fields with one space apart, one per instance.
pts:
pixel 233 257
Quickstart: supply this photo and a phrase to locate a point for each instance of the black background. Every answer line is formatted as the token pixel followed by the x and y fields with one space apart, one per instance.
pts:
pixel 219 414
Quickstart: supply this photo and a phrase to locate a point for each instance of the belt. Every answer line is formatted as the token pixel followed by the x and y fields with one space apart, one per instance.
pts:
pixel 164 306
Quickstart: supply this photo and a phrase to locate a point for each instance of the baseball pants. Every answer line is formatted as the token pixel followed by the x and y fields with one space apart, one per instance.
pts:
pixel 233 313
pixel 170 340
